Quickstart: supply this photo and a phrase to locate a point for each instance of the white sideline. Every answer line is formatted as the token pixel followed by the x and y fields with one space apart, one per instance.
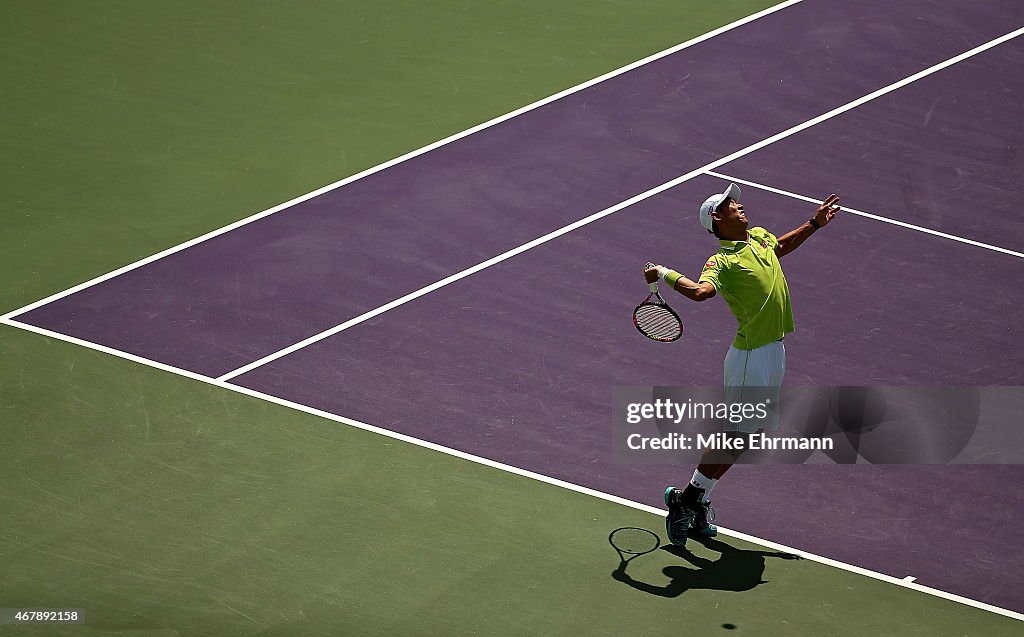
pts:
pixel 905 583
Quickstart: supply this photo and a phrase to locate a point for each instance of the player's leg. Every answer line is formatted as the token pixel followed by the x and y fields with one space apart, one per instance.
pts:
pixel 756 372
pixel 690 508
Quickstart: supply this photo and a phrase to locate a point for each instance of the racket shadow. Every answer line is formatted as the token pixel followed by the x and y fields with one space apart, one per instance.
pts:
pixel 630 542
pixel 736 570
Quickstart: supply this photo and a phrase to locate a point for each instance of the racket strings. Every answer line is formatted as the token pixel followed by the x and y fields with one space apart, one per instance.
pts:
pixel 657 321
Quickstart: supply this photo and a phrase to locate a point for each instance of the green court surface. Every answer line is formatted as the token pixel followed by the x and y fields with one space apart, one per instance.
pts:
pixel 165 506
pixel 159 505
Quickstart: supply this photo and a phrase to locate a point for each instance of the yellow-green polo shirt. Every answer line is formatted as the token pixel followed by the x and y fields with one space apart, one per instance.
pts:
pixel 749 277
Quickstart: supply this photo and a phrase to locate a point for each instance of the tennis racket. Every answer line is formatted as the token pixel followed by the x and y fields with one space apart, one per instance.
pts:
pixel 656 320
pixel 631 542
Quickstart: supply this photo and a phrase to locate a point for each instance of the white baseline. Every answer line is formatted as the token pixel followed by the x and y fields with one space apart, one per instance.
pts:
pixel 905 583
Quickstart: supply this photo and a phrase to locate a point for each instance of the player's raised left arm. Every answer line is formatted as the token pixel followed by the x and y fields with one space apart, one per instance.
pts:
pixel 792 240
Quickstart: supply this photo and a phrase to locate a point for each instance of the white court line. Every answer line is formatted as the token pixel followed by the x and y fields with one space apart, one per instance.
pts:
pixel 629 202
pixel 402 158
pixel 905 583
pixel 854 211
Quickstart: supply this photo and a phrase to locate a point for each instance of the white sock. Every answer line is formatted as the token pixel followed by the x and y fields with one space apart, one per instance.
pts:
pixel 702 482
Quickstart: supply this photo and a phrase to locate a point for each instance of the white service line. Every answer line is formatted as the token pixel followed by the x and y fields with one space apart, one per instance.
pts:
pixel 402 158
pixel 706 169
pixel 854 211
pixel 905 583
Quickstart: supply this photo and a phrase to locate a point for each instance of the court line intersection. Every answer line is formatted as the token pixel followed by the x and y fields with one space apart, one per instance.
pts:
pixel 402 158
pixel 629 202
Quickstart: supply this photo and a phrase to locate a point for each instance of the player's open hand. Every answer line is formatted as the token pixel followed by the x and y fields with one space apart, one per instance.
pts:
pixel 827 210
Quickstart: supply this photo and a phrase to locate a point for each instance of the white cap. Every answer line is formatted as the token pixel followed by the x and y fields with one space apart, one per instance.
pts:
pixel 712 202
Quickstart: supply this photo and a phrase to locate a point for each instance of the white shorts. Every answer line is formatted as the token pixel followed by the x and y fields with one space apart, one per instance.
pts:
pixel 759 372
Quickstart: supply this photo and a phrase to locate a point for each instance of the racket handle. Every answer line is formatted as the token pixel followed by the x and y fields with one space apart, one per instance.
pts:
pixel 654 286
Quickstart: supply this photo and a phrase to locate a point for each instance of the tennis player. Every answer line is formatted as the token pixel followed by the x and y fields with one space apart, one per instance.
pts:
pixel 747 273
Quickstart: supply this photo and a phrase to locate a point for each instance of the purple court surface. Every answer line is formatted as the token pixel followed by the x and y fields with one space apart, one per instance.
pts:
pixel 517 362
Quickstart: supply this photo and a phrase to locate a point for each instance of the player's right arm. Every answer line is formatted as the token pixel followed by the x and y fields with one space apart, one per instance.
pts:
pixel 690 289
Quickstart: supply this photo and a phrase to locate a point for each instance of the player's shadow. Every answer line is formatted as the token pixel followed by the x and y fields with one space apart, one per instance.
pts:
pixel 736 570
